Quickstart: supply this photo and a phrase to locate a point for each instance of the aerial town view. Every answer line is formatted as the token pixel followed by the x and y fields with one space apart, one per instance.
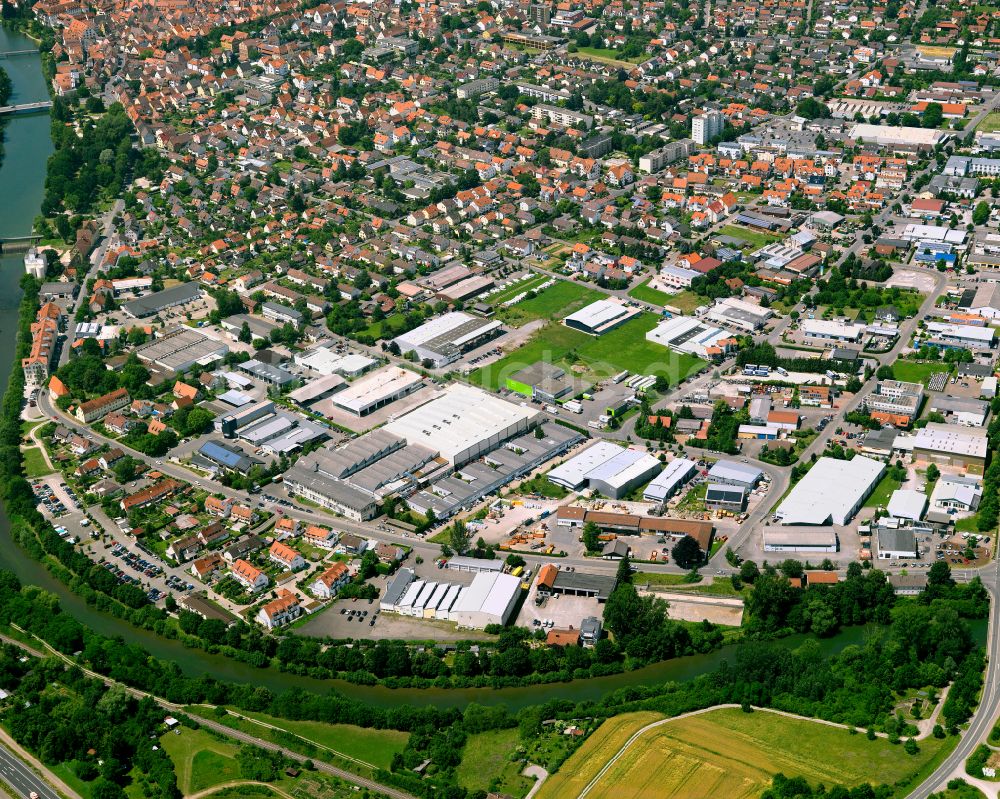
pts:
pixel 499 399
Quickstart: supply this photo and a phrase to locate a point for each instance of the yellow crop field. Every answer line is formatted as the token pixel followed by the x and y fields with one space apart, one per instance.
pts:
pixel 726 753
pixel 597 750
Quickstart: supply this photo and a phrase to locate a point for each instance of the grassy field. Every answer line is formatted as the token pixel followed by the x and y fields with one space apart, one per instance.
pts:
pixel 372 746
pixel 756 238
pixel 608 56
pixel 686 301
pixel 200 760
pixel 486 764
pixel 555 302
pixel 918 371
pixel 389 327
pixel 882 492
pixel 991 124
pixel 34 463
pixel 654 296
pixel 594 357
pixel 728 753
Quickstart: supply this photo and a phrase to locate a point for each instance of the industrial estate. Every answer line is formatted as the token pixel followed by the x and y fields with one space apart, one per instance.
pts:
pixel 491 400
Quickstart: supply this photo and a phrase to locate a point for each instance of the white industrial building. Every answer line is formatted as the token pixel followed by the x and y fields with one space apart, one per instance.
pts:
pixel 607 468
pixel 733 473
pixel 953 492
pixel 676 473
pixel 443 340
pixel 689 335
pixel 490 599
pixel 739 314
pixel 811 539
pixel 600 317
pixel 891 135
pixel 962 335
pixel 907 504
pixel 828 330
pixel 463 423
pixel 326 362
pixel 896 542
pixel 831 492
pixel 377 390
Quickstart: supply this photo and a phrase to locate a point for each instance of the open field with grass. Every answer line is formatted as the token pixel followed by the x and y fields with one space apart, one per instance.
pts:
pixel 555 302
pixel 34 463
pixel 370 745
pixel 686 301
pixel 486 764
pixel 918 371
pixel 728 753
pixel 389 327
pixel 608 56
pixel 200 760
pixel 882 492
pixel 991 124
pixel 593 358
pixel 756 238
pixel 654 296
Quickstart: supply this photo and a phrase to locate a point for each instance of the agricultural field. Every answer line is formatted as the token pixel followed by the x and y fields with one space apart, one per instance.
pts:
pixel 728 753
pixel 653 296
pixel 486 764
pixel 918 371
pixel 593 358
pixel 555 302
pixel 200 759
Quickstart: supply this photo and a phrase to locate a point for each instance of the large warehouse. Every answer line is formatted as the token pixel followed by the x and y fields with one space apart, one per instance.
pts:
pixel 463 423
pixel 676 473
pixel 952 445
pixel 812 502
pixel 377 390
pixel 608 468
pixel 490 599
pixel 600 317
pixel 685 334
pixel 443 340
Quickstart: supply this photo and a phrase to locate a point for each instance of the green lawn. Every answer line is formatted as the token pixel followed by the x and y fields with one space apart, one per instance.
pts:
pixel 593 358
pixel 375 747
pixel 756 238
pixel 555 302
pixel 34 463
pixel 389 327
pixel 918 371
pixel 486 764
pixel 882 492
pixel 654 296
pixel 200 759
pixel 604 54
pixel 539 484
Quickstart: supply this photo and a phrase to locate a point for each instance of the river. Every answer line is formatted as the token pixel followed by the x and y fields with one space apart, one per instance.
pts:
pixel 22 177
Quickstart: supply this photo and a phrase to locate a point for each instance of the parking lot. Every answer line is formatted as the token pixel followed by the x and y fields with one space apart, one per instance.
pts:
pixel 361 618
pixel 556 611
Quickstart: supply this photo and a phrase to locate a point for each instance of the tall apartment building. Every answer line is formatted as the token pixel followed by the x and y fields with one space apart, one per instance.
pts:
pixel 705 127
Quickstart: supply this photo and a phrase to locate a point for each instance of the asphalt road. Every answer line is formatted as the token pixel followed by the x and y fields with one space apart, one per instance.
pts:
pixel 20 777
pixel 986 712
